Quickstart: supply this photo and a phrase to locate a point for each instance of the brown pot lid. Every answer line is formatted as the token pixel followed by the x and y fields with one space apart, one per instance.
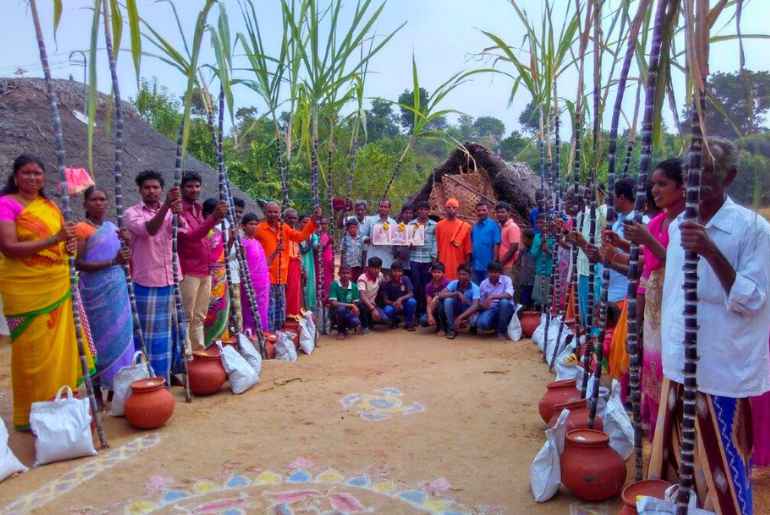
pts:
pixel 562 383
pixel 588 437
pixel 149 383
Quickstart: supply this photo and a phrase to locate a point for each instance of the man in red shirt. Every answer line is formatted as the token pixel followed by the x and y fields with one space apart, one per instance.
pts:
pixel 510 238
pixel 194 250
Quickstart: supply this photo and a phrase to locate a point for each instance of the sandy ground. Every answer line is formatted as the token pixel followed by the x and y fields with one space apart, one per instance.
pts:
pixel 454 431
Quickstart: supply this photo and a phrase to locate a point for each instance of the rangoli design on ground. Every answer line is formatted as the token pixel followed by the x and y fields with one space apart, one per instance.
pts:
pixel 302 490
pixel 72 479
pixel 381 404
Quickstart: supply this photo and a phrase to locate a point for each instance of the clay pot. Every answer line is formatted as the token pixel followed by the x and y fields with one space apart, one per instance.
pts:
pixel 207 375
pixel 648 487
pixel 578 415
pixel 529 322
pixel 557 392
pixel 590 469
pixel 150 404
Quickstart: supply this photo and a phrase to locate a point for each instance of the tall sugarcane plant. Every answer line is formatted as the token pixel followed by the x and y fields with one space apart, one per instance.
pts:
pixel 633 264
pixel 117 172
pixel 697 33
pixel 67 212
pixel 188 66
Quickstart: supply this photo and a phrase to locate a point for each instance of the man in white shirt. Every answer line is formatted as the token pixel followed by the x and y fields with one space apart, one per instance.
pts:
pixel 383 252
pixel 733 320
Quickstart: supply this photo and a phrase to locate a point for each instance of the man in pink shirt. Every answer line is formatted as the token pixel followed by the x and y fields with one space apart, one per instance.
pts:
pixel 510 238
pixel 150 225
pixel 194 252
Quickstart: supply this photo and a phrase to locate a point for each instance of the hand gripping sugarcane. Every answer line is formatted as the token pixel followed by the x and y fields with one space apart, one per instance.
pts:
pixel 611 164
pixel 118 174
pixel 67 213
pixel 562 290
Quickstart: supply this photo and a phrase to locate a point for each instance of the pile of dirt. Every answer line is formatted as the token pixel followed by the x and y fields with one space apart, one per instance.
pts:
pixel 514 183
pixel 25 126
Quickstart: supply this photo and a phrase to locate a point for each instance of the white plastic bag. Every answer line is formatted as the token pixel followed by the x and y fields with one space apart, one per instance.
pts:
pixel 62 428
pixel 617 424
pixel 566 364
pixel 9 463
pixel 652 506
pixel 537 334
pixel 284 347
pixel 121 383
pixel 307 333
pixel 240 375
pixel 250 354
pixel 553 334
pixel 514 326
pixel 545 470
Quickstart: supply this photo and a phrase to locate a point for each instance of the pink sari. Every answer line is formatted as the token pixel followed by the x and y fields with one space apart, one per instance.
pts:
pixel 327 261
pixel 760 416
pixel 652 363
pixel 260 279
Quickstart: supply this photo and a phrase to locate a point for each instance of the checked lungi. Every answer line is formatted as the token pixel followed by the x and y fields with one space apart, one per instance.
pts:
pixel 722 451
pixel 155 307
pixel 276 314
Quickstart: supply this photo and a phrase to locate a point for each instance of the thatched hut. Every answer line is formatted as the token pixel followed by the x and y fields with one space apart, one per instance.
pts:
pixel 25 126
pixel 474 173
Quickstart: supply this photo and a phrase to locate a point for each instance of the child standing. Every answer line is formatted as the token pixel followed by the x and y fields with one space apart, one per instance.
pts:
pixel 542 251
pixel 353 248
pixel 525 270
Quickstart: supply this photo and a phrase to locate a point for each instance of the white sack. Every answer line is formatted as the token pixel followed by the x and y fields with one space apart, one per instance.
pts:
pixel 284 347
pixel 121 383
pixel 9 463
pixel 307 332
pixel 514 326
pixel 62 428
pixel 617 423
pixel 652 506
pixel 240 374
pixel 564 368
pixel 250 354
pixel 545 470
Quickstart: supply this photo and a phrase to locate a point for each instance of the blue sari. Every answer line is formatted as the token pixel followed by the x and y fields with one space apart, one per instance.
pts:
pixel 105 299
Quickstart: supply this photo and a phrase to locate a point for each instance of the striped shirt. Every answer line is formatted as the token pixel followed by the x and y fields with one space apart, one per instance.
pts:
pixel 427 252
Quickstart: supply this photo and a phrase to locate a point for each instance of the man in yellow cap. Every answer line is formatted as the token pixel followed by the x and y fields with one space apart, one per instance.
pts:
pixel 453 239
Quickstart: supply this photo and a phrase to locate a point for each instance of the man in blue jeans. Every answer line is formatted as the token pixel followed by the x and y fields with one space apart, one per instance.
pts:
pixel 485 242
pixel 398 298
pixel 460 296
pixel 496 305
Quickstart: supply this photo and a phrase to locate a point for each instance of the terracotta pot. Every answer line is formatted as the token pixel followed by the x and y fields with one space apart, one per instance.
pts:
pixel 529 322
pixel 557 392
pixel 590 469
pixel 207 375
pixel 578 415
pixel 649 487
pixel 150 404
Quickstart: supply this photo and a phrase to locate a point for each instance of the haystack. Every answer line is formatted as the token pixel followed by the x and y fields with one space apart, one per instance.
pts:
pixel 475 174
pixel 25 126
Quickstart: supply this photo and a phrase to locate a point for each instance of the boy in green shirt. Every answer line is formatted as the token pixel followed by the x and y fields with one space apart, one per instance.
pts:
pixel 344 299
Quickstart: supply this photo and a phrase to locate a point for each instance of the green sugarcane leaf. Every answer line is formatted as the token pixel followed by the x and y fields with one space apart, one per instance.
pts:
pixel 93 93
pixel 136 37
pixel 117 27
pixel 57 11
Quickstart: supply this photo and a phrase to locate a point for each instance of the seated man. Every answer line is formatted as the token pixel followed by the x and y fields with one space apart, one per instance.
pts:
pixel 398 298
pixel 460 296
pixel 368 288
pixel 496 306
pixel 344 299
pixel 436 285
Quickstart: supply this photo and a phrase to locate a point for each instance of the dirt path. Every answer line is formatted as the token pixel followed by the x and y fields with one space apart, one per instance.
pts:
pixel 435 427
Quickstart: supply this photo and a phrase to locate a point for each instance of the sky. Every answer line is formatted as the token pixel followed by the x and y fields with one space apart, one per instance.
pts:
pixel 444 36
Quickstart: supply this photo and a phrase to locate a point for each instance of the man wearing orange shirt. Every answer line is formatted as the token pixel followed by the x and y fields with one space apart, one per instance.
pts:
pixel 453 239
pixel 510 238
pixel 273 234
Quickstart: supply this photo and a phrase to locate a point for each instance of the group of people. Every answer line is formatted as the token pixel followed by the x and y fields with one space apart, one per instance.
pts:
pixel 463 275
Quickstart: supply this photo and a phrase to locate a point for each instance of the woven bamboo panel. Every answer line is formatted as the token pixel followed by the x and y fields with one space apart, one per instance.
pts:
pixel 468 188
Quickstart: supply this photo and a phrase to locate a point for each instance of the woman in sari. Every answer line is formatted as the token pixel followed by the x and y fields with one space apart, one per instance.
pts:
pixel 308 250
pixel 35 285
pixel 668 193
pixel 215 325
pixel 259 274
pixel 103 288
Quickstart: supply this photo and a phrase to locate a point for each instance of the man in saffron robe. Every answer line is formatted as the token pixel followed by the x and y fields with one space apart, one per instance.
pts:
pixel 453 238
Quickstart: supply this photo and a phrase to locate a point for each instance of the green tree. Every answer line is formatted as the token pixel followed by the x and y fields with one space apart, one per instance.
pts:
pixel 529 119
pixel 740 103
pixel 407 99
pixel 465 128
pixel 513 145
pixel 380 120
pixel 489 126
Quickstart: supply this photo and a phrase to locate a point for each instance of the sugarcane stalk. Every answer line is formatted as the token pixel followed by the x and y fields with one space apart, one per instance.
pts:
pixel 117 173
pixel 633 264
pixel 178 314
pixel 67 214
pixel 561 289
pixel 582 323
